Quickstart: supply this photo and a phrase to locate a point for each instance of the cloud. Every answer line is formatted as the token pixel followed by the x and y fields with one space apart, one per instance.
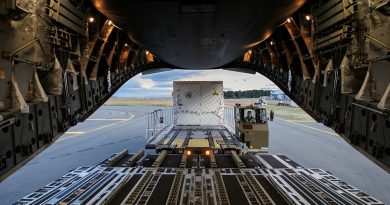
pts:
pixel 126 92
pixel 232 80
pixel 158 85
pixel 140 81
pixel 147 83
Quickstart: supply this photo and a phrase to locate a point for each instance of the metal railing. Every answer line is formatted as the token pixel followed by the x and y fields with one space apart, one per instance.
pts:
pixel 158 120
pixel 229 119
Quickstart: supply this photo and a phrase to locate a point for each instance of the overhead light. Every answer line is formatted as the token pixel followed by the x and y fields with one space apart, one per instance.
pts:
pixel 109 22
pixel 308 17
pixel 272 43
pixel 208 152
pixel 247 56
pixel 149 56
pixel 126 44
pixel 188 152
pixel 288 20
pixel 91 19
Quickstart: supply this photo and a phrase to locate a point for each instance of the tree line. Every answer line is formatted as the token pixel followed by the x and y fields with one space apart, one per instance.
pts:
pixel 246 94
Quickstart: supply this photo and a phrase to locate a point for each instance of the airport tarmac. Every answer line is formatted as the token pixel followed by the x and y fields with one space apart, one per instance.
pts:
pixel 114 128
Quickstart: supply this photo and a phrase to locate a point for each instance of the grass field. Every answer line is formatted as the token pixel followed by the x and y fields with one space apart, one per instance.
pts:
pixel 159 102
pixel 281 111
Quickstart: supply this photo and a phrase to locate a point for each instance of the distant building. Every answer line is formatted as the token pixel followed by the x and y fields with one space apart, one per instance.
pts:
pixel 275 93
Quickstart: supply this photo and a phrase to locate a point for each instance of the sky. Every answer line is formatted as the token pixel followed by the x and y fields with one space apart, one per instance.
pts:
pixel 159 85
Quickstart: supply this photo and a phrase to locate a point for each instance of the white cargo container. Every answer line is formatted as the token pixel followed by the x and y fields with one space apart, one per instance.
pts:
pixel 198 102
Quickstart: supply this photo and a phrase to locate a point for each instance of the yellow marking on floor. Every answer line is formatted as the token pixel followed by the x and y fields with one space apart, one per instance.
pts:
pixel 198 143
pixel 313 128
pixel 76 134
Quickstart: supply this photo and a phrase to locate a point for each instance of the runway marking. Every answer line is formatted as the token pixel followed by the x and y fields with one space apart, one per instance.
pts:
pixel 124 140
pixel 301 120
pixel 313 128
pixel 75 133
pixel 63 155
pixel 108 119
pixel 107 144
pixel 86 149
pixel 78 133
pixel 31 163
